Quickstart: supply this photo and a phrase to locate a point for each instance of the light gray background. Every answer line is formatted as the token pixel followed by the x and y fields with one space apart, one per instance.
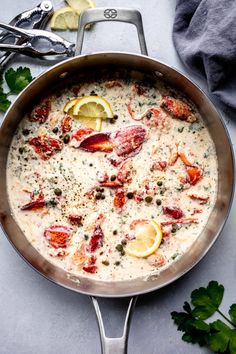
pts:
pixel 38 317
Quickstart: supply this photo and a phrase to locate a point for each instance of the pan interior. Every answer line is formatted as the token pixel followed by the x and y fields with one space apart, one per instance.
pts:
pixel 76 70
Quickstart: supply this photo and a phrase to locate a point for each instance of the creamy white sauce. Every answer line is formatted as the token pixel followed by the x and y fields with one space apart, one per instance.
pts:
pixel 74 171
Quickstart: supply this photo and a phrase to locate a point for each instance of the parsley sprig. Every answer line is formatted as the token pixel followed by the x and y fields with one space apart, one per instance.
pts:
pixel 219 336
pixel 16 80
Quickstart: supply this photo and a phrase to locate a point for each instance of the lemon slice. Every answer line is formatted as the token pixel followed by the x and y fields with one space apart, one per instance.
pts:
pixel 148 239
pixel 80 5
pixel 92 107
pixel 90 110
pixel 65 18
pixel 95 124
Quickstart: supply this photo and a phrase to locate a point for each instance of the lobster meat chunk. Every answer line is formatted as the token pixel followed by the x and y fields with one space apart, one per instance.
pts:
pixel 96 240
pixel 195 173
pixel 75 219
pixel 112 83
pixel 45 146
pixel 66 124
pixel 81 133
pixel 156 260
pixel 180 221
pixel 119 199
pixel 173 212
pixel 112 184
pixel 35 204
pixel 41 111
pixel 202 199
pixel 91 267
pixel 125 172
pixel 124 142
pixel 129 140
pixel 177 109
pixel 58 236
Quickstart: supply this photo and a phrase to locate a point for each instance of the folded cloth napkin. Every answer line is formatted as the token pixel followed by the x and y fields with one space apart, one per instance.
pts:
pixel 204 34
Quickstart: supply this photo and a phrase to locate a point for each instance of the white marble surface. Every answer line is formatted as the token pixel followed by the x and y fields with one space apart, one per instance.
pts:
pixel 39 317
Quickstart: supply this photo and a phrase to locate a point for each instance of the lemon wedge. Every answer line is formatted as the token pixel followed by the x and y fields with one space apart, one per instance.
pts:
pixel 65 18
pixel 92 107
pixel 80 5
pixel 148 239
pixel 89 110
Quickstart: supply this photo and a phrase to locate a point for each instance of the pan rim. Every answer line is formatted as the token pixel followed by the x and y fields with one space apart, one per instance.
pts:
pixel 154 287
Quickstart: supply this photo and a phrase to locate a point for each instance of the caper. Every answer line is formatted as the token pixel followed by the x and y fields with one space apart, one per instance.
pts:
pixel 159 183
pixel 98 195
pixel 86 237
pixel 149 115
pixel 124 242
pixel 90 165
pixel 58 191
pixel 115 116
pixel 103 196
pixel 25 132
pixel 119 248
pixel 66 138
pixel 158 202
pixel 106 262
pixel 113 178
pixel 115 232
pixel 112 120
pixel 122 253
pixel 55 130
pixel 130 195
pixel 21 150
pixel 148 199
pixel 117 263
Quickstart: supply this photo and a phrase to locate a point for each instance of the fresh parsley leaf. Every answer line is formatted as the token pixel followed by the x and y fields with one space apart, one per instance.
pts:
pixel 18 79
pixel 195 330
pixel 207 300
pixel 232 313
pixel 222 338
pixel 4 102
pixel 217 336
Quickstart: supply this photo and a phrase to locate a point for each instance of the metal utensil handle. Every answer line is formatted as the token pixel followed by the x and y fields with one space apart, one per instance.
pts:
pixel 114 345
pixel 33 18
pixel 104 14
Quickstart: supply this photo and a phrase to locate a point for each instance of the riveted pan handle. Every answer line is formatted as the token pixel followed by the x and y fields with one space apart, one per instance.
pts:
pixel 104 14
pixel 116 345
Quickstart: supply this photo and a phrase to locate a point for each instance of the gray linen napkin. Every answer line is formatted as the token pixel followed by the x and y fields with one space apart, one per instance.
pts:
pixel 204 34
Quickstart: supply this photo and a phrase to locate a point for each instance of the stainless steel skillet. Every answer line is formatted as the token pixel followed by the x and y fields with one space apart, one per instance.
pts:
pixel 63 73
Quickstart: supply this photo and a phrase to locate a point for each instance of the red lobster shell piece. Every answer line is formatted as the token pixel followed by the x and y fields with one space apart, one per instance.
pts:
pixel 97 142
pixel 96 240
pixel 126 142
pixel 177 109
pixel 58 235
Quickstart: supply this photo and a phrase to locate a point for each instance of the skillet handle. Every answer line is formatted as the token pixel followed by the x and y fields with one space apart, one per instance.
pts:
pixel 116 345
pixel 102 14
